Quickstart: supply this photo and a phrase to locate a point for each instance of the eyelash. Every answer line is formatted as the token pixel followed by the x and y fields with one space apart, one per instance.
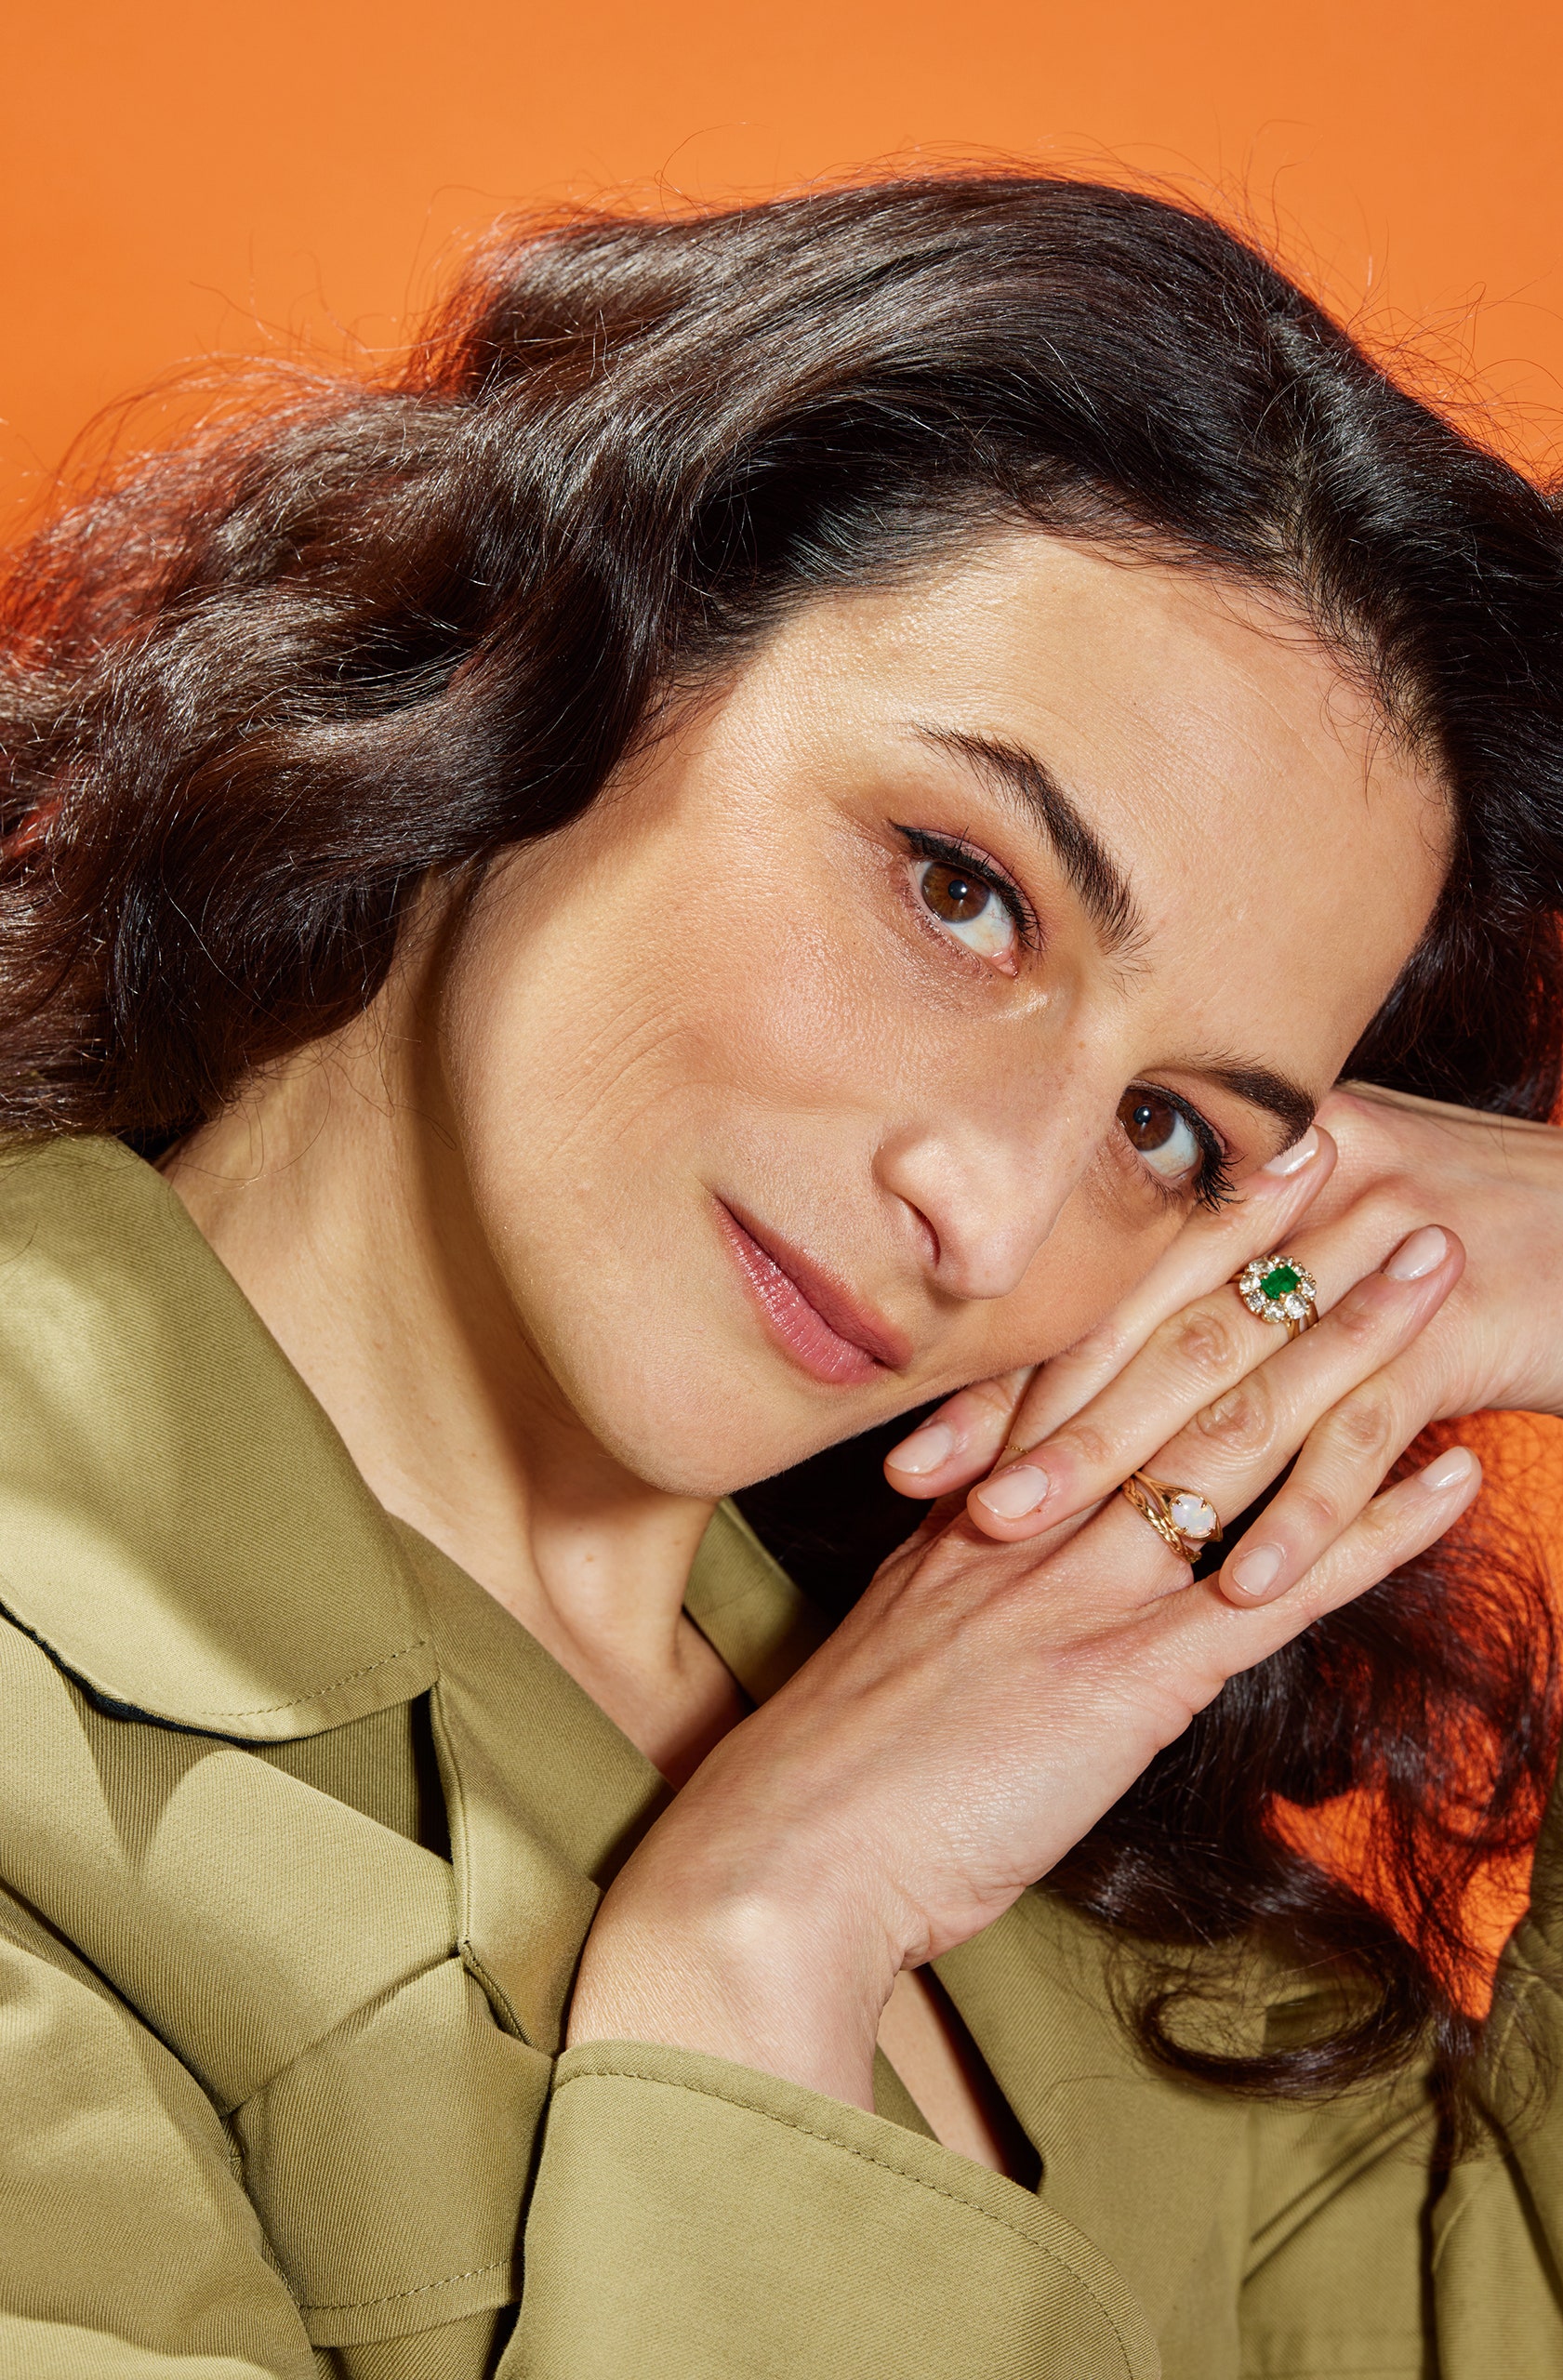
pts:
pixel 1213 1186
pixel 956 851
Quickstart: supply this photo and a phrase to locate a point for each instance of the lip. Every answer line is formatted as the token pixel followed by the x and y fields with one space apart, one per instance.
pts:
pixel 826 1331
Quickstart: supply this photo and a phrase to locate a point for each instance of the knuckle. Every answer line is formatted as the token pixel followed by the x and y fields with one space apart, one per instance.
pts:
pixel 1379 1522
pixel 1092 1447
pixel 1202 1340
pixel 1361 1317
pixel 995 1397
pixel 1240 1421
pixel 1363 1427
pixel 1315 1510
pixel 1105 1343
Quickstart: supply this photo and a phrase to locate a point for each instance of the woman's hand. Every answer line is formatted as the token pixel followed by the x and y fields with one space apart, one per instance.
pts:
pixel 1063 1435
pixel 972 1718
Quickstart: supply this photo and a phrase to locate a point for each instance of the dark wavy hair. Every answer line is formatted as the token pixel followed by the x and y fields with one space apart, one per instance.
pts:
pixel 256 687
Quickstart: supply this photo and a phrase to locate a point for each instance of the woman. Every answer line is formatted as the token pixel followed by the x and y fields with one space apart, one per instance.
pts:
pixel 800 814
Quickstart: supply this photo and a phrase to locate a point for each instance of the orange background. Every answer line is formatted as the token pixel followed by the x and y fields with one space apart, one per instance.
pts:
pixel 190 175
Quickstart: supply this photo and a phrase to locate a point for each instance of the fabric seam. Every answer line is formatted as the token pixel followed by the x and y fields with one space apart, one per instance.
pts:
pixel 261 1710
pixel 264 1710
pixel 399 2296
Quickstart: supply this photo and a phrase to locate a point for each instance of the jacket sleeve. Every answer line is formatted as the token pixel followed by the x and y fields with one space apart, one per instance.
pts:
pixel 690 2220
pixel 129 2250
pixel 694 2220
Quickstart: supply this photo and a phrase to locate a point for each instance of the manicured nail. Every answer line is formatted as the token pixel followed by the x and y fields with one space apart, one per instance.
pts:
pixel 1450 1470
pixel 1293 1159
pixel 1419 1254
pixel 1256 1568
pixel 1010 1495
pixel 924 1451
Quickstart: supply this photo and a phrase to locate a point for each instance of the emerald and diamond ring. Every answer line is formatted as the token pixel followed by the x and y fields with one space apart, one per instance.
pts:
pixel 1275 1289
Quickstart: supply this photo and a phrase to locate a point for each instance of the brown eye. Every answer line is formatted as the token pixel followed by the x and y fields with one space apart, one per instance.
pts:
pixel 970 909
pixel 1147 1121
pixel 954 894
pixel 1160 1132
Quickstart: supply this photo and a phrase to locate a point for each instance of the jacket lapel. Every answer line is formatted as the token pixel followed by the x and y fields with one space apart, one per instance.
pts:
pixel 544 1796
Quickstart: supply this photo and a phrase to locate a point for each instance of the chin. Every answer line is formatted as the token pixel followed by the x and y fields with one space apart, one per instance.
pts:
pixel 712 1436
pixel 715 1457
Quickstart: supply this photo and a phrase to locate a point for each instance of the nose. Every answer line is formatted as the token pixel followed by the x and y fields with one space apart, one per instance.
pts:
pixel 986 1195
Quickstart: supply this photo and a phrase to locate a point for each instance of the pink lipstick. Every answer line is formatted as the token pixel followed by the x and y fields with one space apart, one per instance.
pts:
pixel 819 1324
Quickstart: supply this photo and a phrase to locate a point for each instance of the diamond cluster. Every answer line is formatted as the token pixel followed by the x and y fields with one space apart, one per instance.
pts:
pixel 1277 1291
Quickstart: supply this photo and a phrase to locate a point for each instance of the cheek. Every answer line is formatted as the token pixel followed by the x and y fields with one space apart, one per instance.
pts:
pixel 1094 1257
pixel 607 1047
pixel 771 1000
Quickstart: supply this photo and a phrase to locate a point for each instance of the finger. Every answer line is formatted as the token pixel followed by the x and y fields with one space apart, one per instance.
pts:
pixel 962 1441
pixel 1234 1448
pixel 1340 1466
pixel 1205 1640
pixel 1190 1361
pixel 1133 1568
pixel 1393 1529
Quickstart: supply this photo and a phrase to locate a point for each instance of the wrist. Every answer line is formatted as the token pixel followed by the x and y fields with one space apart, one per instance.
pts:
pixel 746 1975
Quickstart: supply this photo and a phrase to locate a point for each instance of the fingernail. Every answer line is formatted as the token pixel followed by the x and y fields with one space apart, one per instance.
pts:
pixel 1256 1568
pixel 1419 1254
pixel 1450 1470
pixel 1293 1159
pixel 924 1451
pixel 1010 1495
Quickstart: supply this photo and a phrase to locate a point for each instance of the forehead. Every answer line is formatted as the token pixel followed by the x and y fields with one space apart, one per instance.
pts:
pixel 1285 846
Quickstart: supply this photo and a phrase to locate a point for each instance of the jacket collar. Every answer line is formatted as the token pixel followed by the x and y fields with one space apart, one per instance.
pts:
pixel 180 1526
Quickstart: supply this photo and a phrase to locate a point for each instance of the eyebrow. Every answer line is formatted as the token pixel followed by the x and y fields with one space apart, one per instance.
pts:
pixel 1109 900
pixel 1262 1086
pixel 1105 890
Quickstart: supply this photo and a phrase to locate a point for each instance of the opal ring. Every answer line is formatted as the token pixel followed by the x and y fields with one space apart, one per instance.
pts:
pixel 1181 1516
pixel 1276 1289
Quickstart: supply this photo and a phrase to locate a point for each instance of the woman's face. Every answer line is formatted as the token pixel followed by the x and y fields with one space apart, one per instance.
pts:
pixel 880 1027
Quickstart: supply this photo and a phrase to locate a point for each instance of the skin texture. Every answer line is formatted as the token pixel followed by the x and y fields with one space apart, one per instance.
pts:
pixel 499 1225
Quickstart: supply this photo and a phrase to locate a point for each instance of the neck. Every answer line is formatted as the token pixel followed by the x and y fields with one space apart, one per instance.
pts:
pixel 334 1195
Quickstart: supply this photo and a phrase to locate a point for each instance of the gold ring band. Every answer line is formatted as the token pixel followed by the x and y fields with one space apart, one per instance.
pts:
pixel 1181 1516
pixel 1276 1289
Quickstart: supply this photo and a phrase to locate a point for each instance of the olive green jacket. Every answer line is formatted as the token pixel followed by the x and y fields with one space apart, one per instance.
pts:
pixel 301 1834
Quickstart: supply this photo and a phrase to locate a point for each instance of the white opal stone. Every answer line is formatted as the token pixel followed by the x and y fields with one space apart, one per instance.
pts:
pixel 1192 1514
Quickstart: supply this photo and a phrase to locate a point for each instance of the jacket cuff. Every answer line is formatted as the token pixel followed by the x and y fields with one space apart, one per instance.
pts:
pixel 693 2219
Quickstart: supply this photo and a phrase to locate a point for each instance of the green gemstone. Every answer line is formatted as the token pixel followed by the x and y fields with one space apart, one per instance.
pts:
pixel 1279 1283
